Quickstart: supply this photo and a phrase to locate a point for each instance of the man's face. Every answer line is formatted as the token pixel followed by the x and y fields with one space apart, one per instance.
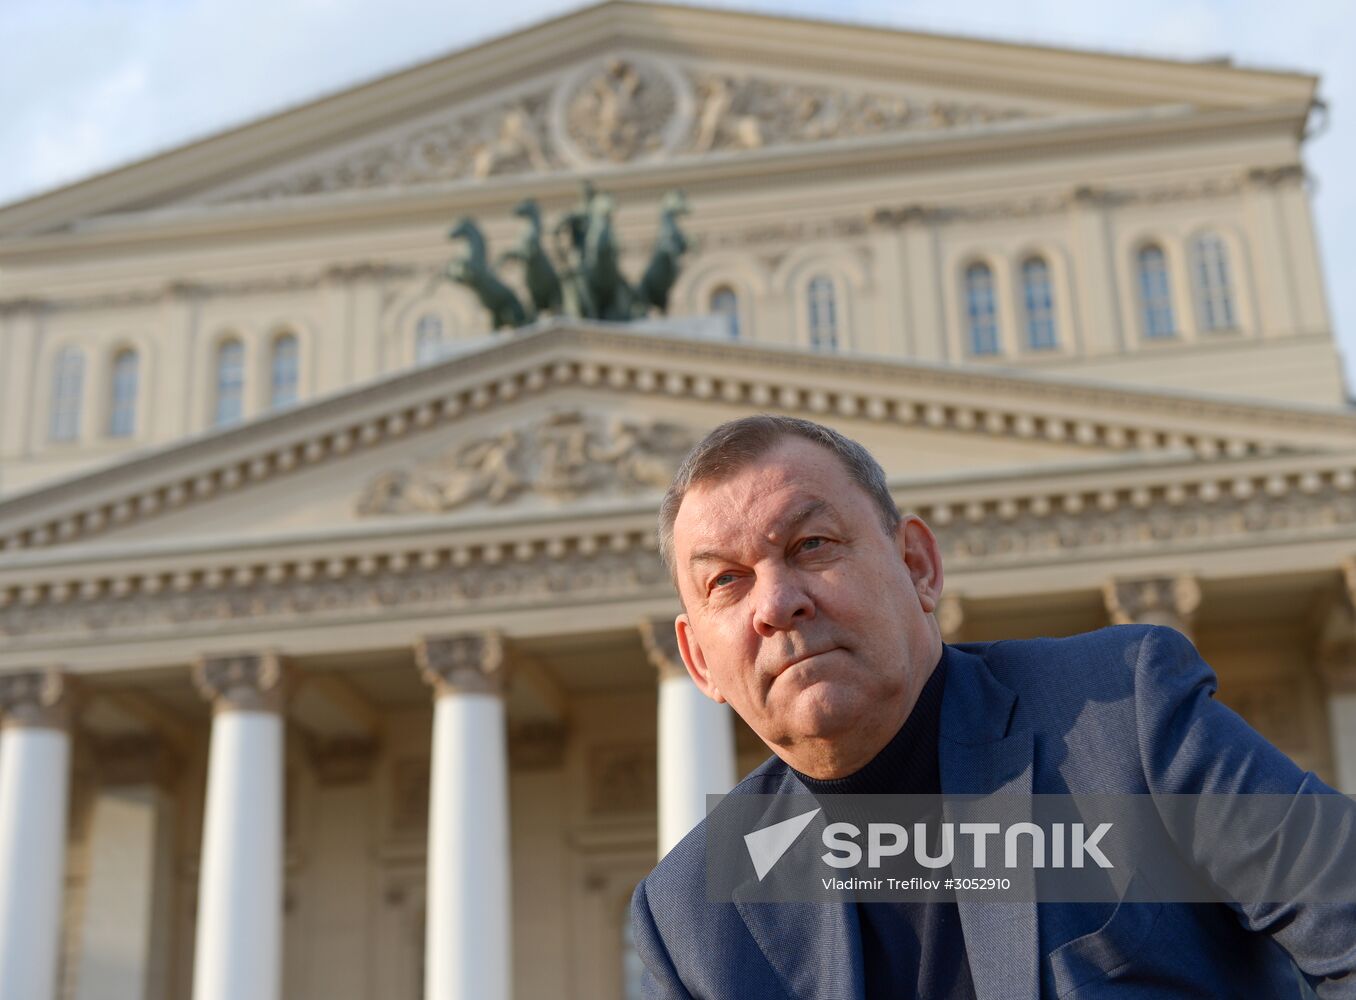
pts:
pixel 800 611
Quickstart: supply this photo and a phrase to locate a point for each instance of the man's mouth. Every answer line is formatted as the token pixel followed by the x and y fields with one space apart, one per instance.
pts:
pixel 801 659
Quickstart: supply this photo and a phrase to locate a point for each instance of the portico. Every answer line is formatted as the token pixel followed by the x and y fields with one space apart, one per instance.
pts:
pixel 412 751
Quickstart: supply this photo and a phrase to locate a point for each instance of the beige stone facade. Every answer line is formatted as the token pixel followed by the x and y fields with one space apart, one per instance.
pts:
pixel 1071 301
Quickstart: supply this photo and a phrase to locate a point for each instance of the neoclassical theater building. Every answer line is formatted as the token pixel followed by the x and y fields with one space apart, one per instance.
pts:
pixel 336 654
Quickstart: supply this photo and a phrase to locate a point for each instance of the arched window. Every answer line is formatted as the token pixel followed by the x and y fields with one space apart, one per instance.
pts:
pixel 283 371
pixel 1038 302
pixel 822 302
pixel 428 339
pixel 981 312
pixel 68 389
pixel 122 407
pixel 1155 295
pixel 230 383
pixel 724 302
pixel 1210 275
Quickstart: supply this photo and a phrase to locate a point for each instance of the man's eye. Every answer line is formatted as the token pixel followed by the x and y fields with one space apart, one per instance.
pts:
pixel 812 543
pixel 724 576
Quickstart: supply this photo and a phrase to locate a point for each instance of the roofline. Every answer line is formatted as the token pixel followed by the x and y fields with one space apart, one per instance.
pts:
pixel 280 133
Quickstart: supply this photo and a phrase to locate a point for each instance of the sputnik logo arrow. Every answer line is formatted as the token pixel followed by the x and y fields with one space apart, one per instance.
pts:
pixel 766 846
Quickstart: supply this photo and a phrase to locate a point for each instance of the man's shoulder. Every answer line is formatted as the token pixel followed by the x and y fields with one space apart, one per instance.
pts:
pixel 1107 658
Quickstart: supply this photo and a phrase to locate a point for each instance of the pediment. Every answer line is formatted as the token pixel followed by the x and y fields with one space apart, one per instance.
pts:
pixel 628 107
pixel 567 422
pixel 630 85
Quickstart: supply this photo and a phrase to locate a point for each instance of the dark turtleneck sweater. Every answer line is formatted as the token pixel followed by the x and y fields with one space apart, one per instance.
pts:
pixel 909 949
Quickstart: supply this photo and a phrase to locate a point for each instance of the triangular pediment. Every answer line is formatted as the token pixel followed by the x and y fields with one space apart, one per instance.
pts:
pixel 567 421
pixel 628 85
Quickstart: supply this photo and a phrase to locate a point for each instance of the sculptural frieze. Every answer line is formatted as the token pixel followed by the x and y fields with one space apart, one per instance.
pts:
pixel 624 108
pixel 619 110
pixel 562 457
pixel 510 138
pixel 744 112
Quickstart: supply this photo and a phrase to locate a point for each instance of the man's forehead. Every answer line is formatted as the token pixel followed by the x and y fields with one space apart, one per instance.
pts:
pixel 763 496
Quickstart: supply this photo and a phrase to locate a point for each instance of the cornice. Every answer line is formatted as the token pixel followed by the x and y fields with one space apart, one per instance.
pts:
pixel 900 394
pixel 885 155
pixel 1224 507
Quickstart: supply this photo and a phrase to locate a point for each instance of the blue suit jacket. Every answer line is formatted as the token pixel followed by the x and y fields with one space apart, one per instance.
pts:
pixel 1128 709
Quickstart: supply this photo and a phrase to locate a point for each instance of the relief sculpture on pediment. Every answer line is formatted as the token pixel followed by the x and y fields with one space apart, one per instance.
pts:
pixel 735 113
pixel 562 457
pixel 620 110
pixel 510 138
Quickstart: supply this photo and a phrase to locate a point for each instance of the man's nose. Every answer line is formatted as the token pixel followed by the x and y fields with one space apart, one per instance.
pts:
pixel 782 603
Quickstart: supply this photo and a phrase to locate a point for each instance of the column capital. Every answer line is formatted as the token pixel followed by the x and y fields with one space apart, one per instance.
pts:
pixel 466 663
pixel 39 699
pixel 250 682
pixel 1157 600
pixel 1276 176
pixel 661 646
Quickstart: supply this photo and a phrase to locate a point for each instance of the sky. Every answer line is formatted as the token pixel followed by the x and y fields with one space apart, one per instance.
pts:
pixel 87 85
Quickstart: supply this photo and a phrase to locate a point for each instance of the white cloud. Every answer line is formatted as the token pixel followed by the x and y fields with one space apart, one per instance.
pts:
pixel 90 84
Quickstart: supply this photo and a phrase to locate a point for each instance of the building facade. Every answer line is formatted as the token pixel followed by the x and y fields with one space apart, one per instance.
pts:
pixel 332 627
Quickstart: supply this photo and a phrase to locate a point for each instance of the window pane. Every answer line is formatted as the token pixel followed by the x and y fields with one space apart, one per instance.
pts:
pixel 1210 271
pixel 68 387
pixel 428 339
pixel 823 310
pixel 122 416
pixel 284 369
pixel 230 397
pixel 1038 299
pixel 1154 293
pixel 980 310
pixel 724 302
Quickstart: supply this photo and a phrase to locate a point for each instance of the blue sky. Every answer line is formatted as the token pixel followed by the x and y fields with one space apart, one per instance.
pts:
pixel 91 84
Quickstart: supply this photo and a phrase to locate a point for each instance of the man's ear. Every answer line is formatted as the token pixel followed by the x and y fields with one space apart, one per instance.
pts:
pixel 691 651
pixel 923 556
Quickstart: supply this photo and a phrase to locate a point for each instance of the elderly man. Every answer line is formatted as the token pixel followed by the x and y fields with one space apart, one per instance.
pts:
pixel 808 606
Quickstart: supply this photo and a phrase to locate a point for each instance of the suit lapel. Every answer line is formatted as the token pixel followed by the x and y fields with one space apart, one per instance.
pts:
pixel 815 947
pixel 978 756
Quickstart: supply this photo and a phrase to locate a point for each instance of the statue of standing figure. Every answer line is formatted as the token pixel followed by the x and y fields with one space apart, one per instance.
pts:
pixel 585 279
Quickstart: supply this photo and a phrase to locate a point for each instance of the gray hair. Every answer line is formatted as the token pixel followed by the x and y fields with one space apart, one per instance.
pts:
pixel 737 444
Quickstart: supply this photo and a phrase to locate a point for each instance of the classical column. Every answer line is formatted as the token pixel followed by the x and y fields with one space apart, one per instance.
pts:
pixel 468 948
pixel 240 892
pixel 1155 600
pixel 35 753
pixel 696 739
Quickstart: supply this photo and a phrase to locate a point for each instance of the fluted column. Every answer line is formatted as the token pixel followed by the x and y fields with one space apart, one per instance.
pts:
pixel 240 893
pixel 468 949
pixel 696 739
pixel 35 753
pixel 1158 600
